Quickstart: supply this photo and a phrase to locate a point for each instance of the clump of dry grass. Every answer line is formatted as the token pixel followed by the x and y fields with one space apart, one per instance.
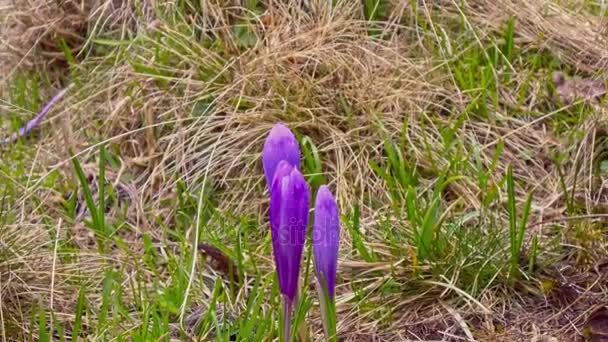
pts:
pixel 34 274
pixel 32 31
pixel 295 73
pixel 576 37
pixel 43 35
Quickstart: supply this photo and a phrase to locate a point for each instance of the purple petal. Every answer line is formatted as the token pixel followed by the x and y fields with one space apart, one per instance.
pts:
pixel 288 223
pixel 326 238
pixel 280 144
pixel 36 120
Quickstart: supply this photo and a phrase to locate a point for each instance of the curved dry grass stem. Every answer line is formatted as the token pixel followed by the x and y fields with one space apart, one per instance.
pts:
pixel 575 35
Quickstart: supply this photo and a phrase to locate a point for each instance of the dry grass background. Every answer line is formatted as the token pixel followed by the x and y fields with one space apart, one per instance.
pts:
pixel 174 111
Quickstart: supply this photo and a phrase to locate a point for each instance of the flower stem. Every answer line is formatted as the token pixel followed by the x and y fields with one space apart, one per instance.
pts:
pixel 324 312
pixel 328 311
pixel 287 310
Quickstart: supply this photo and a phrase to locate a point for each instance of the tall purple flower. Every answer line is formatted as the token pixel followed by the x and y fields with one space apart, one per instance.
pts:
pixel 280 144
pixel 325 244
pixel 288 223
pixel 326 238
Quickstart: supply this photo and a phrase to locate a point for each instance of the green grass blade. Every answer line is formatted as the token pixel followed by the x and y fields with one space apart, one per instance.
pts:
pixel 106 298
pixel 60 331
pixel 101 189
pixel 312 163
pixel 355 233
pixel 533 253
pixel 88 196
pixel 513 232
pixel 412 209
pixel 79 313
pixel 509 37
pixel 523 222
pixel 43 333
pixel 427 229
pixel 253 306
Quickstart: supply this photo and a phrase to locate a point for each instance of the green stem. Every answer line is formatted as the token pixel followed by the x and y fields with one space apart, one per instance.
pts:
pixel 287 310
pixel 328 311
pixel 324 312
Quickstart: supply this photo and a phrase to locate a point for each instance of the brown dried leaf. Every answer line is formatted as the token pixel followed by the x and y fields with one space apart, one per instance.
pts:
pixel 219 261
pixel 570 90
pixel 597 325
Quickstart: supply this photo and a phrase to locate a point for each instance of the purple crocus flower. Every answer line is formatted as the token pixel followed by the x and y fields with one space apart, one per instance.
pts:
pixel 325 244
pixel 280 144
pixel 25 130
pixel 288 223
pixel 326 238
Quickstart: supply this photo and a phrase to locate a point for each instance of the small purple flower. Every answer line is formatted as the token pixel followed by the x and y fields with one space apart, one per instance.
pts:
pixel 25 130
pixel 326 238
pixel 288 224
pixel 280 145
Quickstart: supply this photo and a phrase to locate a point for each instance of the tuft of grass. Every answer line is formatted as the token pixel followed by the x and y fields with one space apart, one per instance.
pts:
pixel 517 230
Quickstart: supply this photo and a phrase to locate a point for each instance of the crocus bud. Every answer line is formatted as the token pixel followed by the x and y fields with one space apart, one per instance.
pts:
pixel 280 145
pixel 326 238
pixel 325 244
pixel 288 223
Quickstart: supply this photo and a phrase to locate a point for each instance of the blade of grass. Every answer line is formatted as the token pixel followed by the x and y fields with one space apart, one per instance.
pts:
pixel 101 225
pixel 533 253
pixel 79 313
pixel 512 220
pixel 355 233
pixel 88 196
pixel 43 333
